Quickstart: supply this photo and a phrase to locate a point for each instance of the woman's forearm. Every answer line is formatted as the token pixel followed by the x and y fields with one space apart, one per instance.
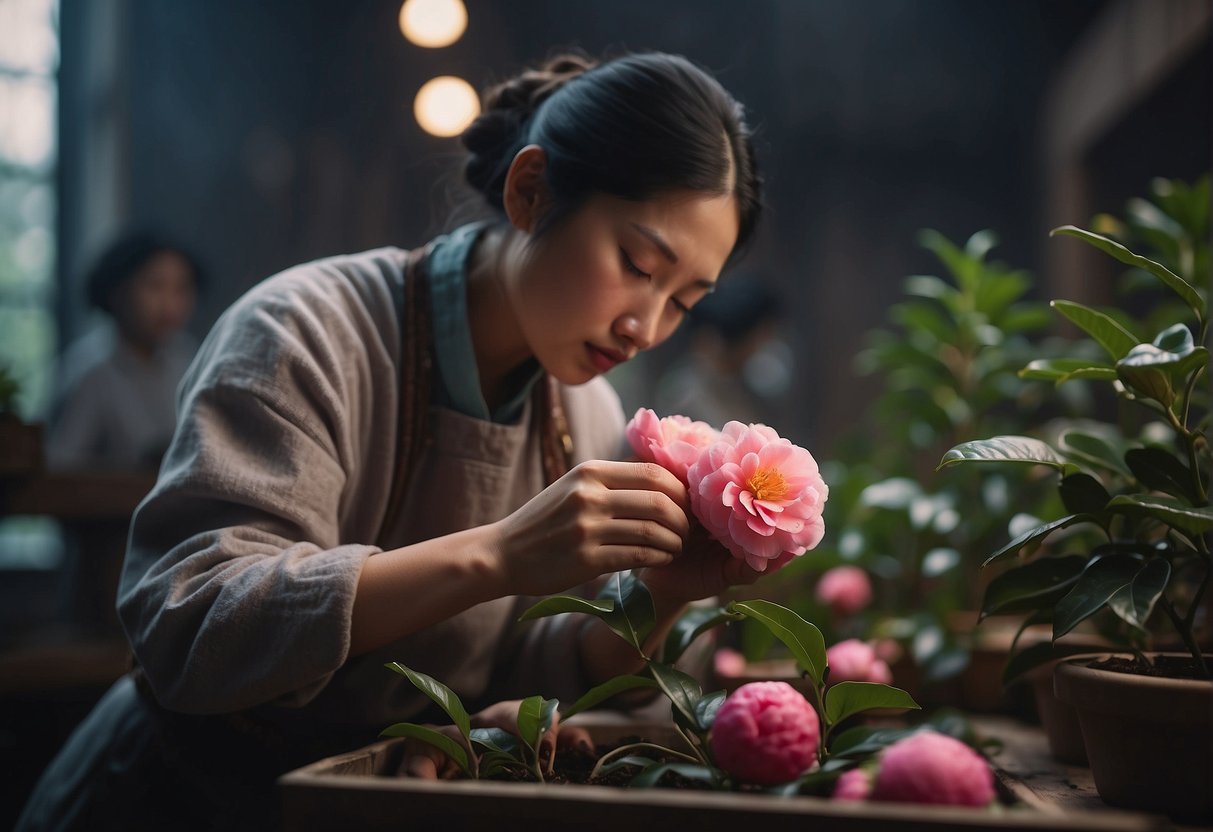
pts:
pixel 405 590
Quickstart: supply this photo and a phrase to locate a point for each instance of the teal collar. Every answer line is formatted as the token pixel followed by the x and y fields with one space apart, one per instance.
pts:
pixel 458 383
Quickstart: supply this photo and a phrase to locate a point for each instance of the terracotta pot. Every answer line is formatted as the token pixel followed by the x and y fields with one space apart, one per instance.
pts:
pixel 1147 738
pixel 1058 719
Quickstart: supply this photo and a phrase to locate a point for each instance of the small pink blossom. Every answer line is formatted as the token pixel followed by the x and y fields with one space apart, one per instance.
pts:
pixel 673 442
pixel 929 767
pixel 765 732
pixel 728 663
pixel 758 494
pixel 845 589
pixel 856 661
pixel 854 784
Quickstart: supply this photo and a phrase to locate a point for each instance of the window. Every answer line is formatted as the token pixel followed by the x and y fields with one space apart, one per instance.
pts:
pixel 29 61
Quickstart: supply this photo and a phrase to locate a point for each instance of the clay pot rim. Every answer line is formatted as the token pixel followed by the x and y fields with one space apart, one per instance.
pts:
pixel 1077 684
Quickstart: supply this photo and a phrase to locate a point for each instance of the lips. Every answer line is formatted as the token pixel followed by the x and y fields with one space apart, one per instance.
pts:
pixel 604 359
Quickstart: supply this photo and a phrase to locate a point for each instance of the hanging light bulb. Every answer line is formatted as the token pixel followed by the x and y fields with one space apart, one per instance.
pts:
pixel 446 105
pixel 433 23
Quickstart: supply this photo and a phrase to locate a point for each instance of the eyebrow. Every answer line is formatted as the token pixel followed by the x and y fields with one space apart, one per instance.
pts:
pixel 668 252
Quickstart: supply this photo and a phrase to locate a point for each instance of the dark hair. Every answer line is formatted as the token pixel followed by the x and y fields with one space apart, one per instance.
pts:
pixel 631 127
pixel 124 258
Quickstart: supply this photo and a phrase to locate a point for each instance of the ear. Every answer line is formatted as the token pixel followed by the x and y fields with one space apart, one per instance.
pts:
pixel 525 195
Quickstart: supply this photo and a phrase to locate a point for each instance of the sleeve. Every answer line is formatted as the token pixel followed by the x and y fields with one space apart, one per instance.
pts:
pixel 545 655
pixel 236 590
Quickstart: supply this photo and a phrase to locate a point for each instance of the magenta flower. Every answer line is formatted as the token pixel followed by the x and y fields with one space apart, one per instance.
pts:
pixel 758 494
pixel 765 732
pixel 928 767
pixel 854 784
pixel 673 442
pixel 856 661
pixel 845 589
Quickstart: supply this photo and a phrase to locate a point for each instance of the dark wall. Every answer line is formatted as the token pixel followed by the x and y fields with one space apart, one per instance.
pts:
pixel 274 132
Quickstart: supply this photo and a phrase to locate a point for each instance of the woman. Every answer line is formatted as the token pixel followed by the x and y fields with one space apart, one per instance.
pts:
pixel 371 460
pixel 115 407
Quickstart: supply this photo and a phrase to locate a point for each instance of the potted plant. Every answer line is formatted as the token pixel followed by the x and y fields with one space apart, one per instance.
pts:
pixel 22 443
pixel 1142 488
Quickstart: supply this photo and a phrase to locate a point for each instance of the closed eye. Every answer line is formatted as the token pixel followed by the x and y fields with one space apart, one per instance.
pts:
pixel 630 265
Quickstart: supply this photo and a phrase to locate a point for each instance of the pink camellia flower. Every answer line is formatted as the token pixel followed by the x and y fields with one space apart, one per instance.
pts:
pixel 765 732
pixel 856 661
pixel 758 494
pixel 728 663
pixel 854 784
pixel 673 442
pixel 929 767
pixel 845 589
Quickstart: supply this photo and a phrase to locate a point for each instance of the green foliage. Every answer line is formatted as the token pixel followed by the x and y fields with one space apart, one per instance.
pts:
pixel 1142 485
pixel 693 710
pixel 9 390
pixel 947 360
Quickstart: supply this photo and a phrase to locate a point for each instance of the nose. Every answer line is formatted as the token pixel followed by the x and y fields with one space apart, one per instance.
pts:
pixel 638 329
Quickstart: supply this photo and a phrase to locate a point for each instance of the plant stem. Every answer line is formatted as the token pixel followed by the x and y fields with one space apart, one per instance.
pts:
pixel 1185 633
pixel 621 749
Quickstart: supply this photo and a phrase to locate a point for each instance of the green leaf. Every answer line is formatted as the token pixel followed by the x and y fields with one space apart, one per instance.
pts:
pixel 1006 449
pixel 694 622
pixel 1033 536
pixel 1035 655
pixel 435 738
pixel 1114 338
pixel 443 696
pixel 558 604
pixel 865 740
pixel 496 739
pixel 847 698
pixel 1194 521
pixel 1135 602
pixel 803 639
pixel 1169 278
pixel 1096 450
pixel 1039 583
pixel 1060 369
pixel 652 775
pixel 627 761
pixel 535 716
pixel 609 688
pixel 1178 364
pixel 1083 494
pixel 682 690
pixel 634 615
pixel 1159 470
pixel 706 708
pixel 1102 579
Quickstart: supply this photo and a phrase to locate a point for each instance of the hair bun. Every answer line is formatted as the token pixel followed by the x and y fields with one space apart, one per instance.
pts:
pixel 492 138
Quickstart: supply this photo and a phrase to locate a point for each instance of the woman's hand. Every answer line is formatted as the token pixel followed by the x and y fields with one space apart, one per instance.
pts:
pixel 703 570
pixel 598 518
pixel 428 762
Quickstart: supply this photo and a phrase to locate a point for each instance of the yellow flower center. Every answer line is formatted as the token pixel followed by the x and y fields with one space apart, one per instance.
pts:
pixel 768 484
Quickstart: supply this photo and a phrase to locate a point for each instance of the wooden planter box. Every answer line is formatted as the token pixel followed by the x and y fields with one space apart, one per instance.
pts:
pixel 364 790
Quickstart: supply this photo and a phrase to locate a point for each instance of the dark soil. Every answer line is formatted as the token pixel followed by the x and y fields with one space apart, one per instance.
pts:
pixel 573 765
pixel 1171 667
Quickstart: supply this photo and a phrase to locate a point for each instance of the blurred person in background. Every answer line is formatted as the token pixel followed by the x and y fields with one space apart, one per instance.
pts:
pixel 115 407
pixel 735 363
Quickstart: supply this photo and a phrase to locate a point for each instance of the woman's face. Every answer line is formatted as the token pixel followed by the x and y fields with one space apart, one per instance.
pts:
pixel 617 276
pixel 159 299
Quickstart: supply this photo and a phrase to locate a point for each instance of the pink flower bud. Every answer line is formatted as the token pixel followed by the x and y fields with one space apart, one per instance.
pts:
pixel 765 732
pixel 854 784
pixel 846 589
pixel 856 661
pixel 728 663
pixel 929 767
